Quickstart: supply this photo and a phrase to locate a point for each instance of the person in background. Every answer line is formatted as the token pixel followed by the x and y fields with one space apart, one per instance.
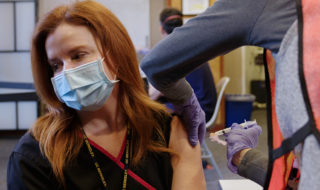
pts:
pixel 101 131
pixel 201 79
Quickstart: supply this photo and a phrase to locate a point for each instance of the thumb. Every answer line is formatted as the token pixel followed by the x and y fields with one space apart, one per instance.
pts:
pixel 193 136
pixel 202 132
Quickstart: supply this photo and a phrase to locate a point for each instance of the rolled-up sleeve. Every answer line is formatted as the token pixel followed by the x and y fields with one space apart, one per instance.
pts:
pixel 254 166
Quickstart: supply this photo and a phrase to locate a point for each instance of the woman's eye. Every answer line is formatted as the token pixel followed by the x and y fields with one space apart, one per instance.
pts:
pixel 56 67
pixel 78 56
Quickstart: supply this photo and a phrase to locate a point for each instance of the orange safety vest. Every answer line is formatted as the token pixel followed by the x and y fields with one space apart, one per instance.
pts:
pixel 280 150
pixel 282 165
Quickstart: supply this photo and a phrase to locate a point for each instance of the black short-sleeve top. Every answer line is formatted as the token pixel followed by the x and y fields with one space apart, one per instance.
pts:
pixel 29 169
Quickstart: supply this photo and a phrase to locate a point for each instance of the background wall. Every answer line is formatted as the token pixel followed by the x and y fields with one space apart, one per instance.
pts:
pixel 134 15
pixel 155 10
pixel 233 68
pixel 253 71
pixel 240 66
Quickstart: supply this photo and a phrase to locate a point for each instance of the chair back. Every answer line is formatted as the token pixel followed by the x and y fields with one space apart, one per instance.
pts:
pixel 221 86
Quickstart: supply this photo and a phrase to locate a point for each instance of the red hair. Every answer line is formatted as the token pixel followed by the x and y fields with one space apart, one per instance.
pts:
pixel 57 131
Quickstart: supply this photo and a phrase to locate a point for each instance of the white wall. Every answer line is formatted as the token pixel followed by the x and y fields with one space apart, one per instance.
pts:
pixel 134 15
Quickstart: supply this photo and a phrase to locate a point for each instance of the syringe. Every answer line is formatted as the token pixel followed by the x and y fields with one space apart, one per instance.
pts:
pixel 215 136
pixel 227 130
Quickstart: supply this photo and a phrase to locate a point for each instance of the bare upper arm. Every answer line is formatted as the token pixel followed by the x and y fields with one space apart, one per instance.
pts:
pixel 186 163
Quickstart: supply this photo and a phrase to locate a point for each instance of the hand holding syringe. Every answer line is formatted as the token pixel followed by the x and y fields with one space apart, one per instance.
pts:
pixel 214 137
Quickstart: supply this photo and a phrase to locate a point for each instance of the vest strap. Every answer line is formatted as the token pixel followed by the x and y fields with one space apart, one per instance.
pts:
pixel 288 144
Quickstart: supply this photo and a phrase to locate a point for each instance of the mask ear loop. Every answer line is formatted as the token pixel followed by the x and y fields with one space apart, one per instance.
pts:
pixel 111 80
pixel 115 76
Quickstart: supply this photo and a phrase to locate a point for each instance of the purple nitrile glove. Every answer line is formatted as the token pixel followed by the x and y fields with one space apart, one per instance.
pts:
pixel 193 117
pixel 240 138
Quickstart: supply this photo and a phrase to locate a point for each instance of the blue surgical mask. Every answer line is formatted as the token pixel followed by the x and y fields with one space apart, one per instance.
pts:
pixel 85 87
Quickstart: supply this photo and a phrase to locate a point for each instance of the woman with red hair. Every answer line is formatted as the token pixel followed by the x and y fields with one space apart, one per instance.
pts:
pixel 101 130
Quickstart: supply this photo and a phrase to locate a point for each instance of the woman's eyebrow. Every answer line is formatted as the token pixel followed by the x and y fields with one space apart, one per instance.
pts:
pixel 77 48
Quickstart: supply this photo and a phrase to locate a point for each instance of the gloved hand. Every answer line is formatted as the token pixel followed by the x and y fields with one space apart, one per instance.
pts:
pixel 193 117
pixel 240 138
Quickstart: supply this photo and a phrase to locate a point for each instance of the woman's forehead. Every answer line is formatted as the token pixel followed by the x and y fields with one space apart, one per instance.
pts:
pixel 67 36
